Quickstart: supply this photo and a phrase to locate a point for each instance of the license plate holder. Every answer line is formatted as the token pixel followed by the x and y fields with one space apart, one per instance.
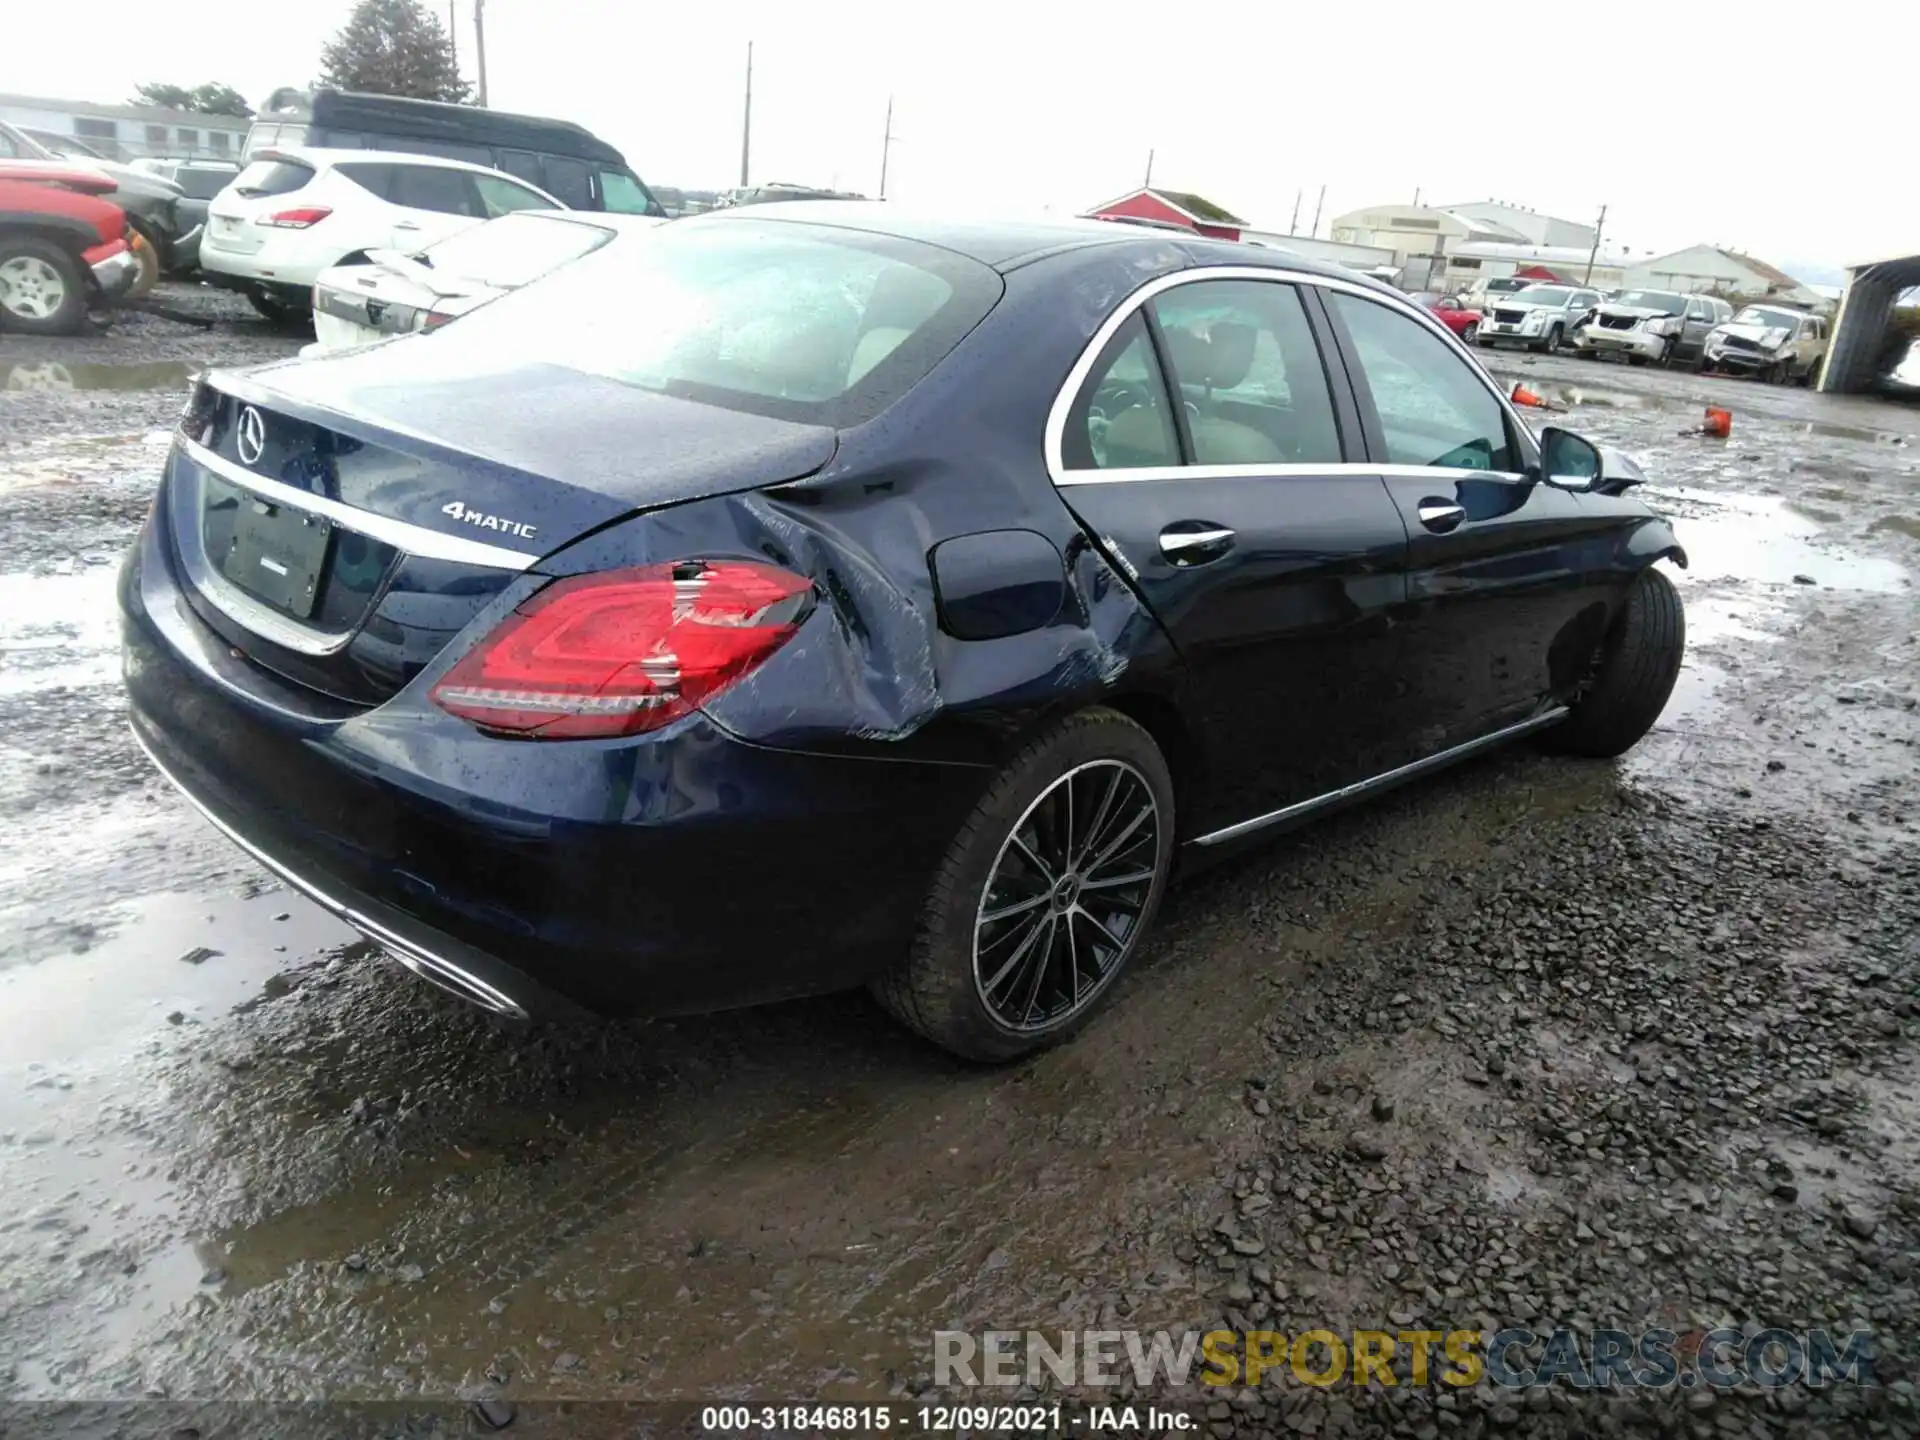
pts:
pixel 278 553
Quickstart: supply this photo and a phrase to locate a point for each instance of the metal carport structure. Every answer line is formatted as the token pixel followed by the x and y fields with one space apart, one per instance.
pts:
pixel 1860 327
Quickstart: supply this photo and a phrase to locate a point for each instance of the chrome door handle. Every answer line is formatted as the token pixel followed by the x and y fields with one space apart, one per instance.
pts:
pixel 406 225
pixel 1197 545
pixel 1441 515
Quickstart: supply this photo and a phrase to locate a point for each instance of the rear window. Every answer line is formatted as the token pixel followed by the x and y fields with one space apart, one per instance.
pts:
pixel 272 177
pixel 203 184
pixel 799 322
pixel 515 249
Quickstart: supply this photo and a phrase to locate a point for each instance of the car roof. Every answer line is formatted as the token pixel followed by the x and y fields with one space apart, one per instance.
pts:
pixel 1007 244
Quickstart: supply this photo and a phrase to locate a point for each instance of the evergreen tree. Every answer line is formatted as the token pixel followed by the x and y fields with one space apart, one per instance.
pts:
pixel 393 47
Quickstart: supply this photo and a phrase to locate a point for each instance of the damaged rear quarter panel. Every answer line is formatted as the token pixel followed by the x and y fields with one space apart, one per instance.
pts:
pixel 871 672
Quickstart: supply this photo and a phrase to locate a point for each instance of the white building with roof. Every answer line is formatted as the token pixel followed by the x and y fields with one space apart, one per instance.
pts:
pixel 1712 267
pixel 122 132
pixel 1536 229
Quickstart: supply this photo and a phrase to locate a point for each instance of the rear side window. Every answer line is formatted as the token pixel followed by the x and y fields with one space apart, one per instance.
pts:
pixel 523 165
pixel 798 322
pixel 570 181
pixel 376 178
pixel 433 187
pixel 272 177
pixel 1122 419
pixel 445 149
pixel 1248 373
pixel 1433 407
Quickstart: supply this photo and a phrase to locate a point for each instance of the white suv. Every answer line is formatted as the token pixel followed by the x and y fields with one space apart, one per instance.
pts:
pixel 294 212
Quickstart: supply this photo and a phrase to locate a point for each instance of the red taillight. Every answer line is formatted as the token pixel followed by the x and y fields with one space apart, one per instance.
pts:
pixel 435 319
pixel 295 219
pixel 625 651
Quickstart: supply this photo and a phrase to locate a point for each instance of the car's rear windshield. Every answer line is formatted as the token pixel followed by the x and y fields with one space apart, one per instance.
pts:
pixel 797 321
pixel 515 249
pixel 272 177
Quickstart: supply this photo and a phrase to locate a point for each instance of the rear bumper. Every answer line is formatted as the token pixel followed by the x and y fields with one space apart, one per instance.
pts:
pixel 684 872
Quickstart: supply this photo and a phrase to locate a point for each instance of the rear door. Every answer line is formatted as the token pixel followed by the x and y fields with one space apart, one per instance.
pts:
pixel 1500 565
pixel 438 200
pixel 1208 451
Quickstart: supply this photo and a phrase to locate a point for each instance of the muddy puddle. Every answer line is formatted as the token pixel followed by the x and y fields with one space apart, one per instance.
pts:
pixel 1766 540
pixel 80 375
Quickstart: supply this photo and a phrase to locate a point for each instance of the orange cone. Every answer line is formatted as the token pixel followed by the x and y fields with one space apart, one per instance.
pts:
pixel 1719 423
pixel 1524 396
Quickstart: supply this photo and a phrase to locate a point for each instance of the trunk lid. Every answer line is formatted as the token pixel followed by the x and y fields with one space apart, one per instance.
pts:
pixel 340 520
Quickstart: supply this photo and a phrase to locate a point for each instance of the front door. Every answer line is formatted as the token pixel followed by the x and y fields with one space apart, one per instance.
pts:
pixel 1505 574
pixel 1207 453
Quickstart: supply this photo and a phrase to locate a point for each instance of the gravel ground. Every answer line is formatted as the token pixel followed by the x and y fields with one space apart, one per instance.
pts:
pixel 1537 1042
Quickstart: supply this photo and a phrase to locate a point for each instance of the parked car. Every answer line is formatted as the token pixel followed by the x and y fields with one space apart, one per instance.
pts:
pixel 166 244
pixel 1540 317
pixel 1487 291
pixel 388 293
pixel 778 190
pixel 1652 325
pixel 789 558
pixel 1775 342
pixel 1900 374
pixel 294 213
pixel 62 247
pixel 553 156
pixel 1451 313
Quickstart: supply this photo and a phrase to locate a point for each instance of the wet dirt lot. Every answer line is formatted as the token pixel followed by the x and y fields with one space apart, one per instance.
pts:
pixel 1538 1041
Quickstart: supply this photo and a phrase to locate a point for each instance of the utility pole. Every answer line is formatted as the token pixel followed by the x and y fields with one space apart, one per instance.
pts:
pixel 1594 253
pixel 1416 197
pixel 453 36
pixel 480 46
pixel 886 148
pixel 1293 225
pixel 1315 232
pixel 746 120
pixel 1149 180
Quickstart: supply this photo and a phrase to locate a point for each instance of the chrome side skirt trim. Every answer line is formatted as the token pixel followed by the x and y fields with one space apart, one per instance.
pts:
pixel 433 968
pixel 413 539
pixel 1299 810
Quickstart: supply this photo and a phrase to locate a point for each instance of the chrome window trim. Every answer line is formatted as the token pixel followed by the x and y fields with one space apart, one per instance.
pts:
pixel 402 535
pixel 1083 367
pixel 1261 472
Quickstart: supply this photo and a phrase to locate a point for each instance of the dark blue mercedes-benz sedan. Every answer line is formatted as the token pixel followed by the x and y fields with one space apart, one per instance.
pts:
pixel 805 597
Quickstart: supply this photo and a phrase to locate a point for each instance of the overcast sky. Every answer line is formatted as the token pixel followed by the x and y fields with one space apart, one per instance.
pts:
pixel 1689 119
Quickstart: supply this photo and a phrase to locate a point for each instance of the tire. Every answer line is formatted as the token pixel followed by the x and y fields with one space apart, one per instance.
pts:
pixel 279 311
pixel 971 984
pixel 1471 335
pixel 1667 352
pixel 43 290
pixel 146 252
pixel 1556 339
pixel 1638 664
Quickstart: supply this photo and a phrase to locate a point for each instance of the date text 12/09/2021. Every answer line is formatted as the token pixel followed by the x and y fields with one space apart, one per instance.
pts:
pixel 939 1419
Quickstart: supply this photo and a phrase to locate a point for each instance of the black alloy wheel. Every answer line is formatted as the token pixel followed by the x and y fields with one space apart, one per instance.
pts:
pixel 1044 895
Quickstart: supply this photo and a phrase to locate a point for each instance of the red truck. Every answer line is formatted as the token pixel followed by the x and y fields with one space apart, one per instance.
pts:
pixel 62 247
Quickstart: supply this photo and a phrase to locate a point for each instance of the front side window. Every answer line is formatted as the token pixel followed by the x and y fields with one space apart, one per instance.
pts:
pixel 621 194
pixel 1122 419
pixel 433 187
pixel 1247 370
pixel 502 197
pixel 1434 409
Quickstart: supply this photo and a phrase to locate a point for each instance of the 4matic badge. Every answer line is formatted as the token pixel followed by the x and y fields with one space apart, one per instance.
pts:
pixel 488 522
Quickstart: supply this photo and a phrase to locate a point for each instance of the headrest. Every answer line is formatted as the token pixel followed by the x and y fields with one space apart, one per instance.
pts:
pixel 1230 354
pixel 1189 354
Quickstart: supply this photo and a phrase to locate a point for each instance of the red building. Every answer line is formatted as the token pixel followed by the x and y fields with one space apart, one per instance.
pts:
pixel 1174 207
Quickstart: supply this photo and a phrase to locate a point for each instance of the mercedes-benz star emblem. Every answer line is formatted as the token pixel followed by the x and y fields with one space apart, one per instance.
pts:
pixel 253 435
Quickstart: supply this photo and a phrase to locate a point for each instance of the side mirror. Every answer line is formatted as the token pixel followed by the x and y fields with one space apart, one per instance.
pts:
pixel 1569 461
